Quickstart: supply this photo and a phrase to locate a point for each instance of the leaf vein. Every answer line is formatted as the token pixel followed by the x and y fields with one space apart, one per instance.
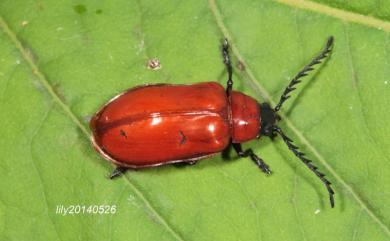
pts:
pixel 294 202
pixel 356 226
pixel 42 79
pixel 251 202
pixel 35 133
pixel 338 13
pixel 261 90
pixel 366 128
pixel 10 76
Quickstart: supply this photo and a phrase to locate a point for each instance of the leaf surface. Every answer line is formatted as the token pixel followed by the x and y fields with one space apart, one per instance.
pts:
pixel 61 60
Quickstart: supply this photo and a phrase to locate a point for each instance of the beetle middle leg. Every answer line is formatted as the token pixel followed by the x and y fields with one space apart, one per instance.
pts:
pixel 227 62
pixel 118 172
pixel 249 153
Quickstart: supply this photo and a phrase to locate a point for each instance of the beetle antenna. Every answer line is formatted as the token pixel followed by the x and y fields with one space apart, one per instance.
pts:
pixel 297 79
pixel 307 162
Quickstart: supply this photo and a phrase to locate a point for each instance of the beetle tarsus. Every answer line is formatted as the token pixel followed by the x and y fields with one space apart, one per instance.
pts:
pixel 261 164
pixel 193 162
pixel 185 163
pixel 117 172
pixel 305 71
pixel 227 62
pixel 249 153
pixel 308 163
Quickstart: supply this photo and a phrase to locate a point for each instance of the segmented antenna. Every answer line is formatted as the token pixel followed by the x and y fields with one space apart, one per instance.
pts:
pixel 307 162
pixel 296 80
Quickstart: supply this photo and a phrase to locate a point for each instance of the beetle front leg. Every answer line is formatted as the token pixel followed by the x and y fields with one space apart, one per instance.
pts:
pixel 249 153
pixel 226 61
pixel 118 172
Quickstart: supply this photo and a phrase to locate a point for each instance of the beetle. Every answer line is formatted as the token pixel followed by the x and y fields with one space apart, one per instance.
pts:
pixel 159 124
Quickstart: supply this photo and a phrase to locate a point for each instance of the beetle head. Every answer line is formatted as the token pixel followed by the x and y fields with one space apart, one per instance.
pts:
pixel 269 119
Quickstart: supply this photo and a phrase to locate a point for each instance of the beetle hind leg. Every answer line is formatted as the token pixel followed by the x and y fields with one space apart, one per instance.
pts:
pixel 119 171
pixel 249 153
pixel 185 163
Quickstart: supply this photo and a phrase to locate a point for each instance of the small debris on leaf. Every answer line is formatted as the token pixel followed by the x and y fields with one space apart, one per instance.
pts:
pixel 154 64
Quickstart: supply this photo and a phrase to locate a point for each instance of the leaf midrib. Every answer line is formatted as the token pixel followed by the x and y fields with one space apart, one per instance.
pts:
pixel 338 13
pixel 261 91
pixel 384 25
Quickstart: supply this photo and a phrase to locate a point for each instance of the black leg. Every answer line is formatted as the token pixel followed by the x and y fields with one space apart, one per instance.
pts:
pixel 226 61
pixel 307 162
pixel 185 163
pixel 259 162
pixel 296 80
pixel 118 172
pixel 192 162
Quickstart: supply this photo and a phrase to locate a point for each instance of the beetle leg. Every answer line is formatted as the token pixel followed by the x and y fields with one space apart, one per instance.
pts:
pixel 226 61
pixel 184 164
pixel 193 162
pixel 118 172
pixel 249 153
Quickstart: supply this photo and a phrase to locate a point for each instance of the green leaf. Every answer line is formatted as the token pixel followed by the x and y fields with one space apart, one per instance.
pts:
pixel 377 9
pixel 61 60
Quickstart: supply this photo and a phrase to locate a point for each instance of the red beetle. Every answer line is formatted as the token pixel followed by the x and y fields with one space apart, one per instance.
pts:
pixel 153 125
